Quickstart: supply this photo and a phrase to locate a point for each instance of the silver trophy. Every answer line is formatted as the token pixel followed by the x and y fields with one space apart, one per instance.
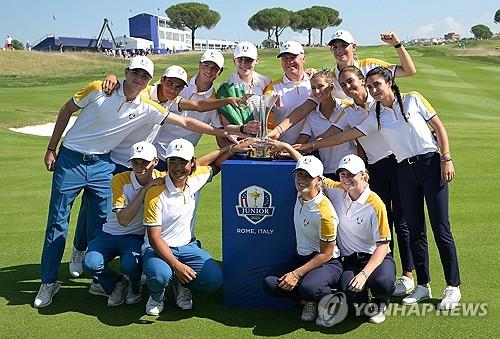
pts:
pixel 261 106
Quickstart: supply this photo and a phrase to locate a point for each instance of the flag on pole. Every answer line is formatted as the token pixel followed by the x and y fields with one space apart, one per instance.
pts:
pixel 54 17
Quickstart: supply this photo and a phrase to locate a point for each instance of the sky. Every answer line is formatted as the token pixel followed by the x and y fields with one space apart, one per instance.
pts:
pixel 32 20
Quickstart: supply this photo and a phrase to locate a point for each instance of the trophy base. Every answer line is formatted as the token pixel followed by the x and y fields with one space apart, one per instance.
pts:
pixel 261 151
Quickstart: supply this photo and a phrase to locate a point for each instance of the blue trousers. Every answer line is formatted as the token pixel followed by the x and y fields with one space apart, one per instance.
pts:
pixel 312 287
pixel 74 172
pixel 380 282
pixel 104 248
pixel 159 274
pixel 82 233
pixel 418 181
pixel 384 182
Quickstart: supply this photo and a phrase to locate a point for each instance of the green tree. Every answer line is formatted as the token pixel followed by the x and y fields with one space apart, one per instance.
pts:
pixel 317 17
pixel 332 19
pixel 481 32
pixel 192 15
pixel 307 21
pixel 17 44
pixel 273 21
pixel 497 17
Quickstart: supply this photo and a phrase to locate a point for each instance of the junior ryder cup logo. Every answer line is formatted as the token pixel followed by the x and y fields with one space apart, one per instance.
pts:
pixel 255 204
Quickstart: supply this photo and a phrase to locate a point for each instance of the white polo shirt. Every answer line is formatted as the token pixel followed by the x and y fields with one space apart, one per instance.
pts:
pixel 105 121
pixel 316 124
pixel 362 223
pixel 365 66
pixel 174 210
pixel 406 139
pixel 258 85
pixel 374 144
pixel 315 220
pixel 121 153
pixel 169 132
pixel 125 188
pixel 292 94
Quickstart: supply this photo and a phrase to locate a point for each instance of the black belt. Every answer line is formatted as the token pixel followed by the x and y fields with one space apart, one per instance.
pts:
pixel 420 157
pixel 88 157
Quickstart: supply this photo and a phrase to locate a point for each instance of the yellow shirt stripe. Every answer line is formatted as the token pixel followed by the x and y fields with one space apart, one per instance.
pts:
pixel 82 93
pixel 328 227
pixel 381 213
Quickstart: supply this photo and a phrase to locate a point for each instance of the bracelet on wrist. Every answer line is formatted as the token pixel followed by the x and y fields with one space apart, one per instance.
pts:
pixel 398 45
pixel 51 149
pixel 364 273
pixel 295 275
pixel 280 129
pixel 242 129
pixel 446 159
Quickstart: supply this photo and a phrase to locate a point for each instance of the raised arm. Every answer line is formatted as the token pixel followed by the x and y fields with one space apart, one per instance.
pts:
pixel 63 116
pixel 407 67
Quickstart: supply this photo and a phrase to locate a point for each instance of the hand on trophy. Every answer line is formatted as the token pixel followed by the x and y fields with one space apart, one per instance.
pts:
pixel 251 127
pixel 243 146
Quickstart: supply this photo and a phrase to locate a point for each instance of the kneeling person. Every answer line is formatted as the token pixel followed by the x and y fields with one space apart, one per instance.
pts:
pixel 169 216
pixel 123 232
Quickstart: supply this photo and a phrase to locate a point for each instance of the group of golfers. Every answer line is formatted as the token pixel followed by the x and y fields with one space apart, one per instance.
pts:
pixel 368 156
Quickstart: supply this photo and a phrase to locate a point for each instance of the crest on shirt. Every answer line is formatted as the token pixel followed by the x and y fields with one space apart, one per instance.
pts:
pixel 359 220
pixel 255 204
pixel 306 223
pixel 131 116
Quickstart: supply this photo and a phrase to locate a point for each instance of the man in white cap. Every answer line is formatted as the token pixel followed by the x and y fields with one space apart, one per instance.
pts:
pixel 83 160
pixel 292 89
pixel 123 232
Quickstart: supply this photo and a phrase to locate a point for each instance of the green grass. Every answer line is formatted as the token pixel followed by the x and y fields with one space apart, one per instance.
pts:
pixel 464 91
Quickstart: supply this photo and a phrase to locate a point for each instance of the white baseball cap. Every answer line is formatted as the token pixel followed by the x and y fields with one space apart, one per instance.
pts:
pixel 292 47
pixel 341 35
pixel 352 163
pixel 245 49
pixel 143 150
pixel 142 62
pixel 177 72
pixel 311 165
pixel 180 148
pixel 214 56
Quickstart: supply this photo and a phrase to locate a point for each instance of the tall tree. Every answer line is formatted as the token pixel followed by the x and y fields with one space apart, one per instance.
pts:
pixel 192 15
pixel 497 17
pixel 308 20
pixel 481 31
pixel 331 19
pixel 273 21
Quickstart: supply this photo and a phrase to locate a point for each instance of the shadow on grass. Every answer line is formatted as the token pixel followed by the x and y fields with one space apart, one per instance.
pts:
pixel 20 285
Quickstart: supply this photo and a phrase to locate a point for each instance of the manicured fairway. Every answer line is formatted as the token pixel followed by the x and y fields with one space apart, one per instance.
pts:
pixel 463 90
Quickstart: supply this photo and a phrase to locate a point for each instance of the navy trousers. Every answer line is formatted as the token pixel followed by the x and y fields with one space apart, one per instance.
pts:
pixel 420 179
pixel 312 287
pixel 384 182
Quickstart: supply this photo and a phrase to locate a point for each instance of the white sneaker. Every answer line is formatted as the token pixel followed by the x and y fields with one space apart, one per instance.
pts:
pixel 403 286
pixel 154 307
pixel 118 296
pixel 419 293
pixel 45 294
pixel 310 311
pixel 76 263
pixel 182 295
pixel 131 297
pixel 379 317
pixel 451 298
pixel 96 289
